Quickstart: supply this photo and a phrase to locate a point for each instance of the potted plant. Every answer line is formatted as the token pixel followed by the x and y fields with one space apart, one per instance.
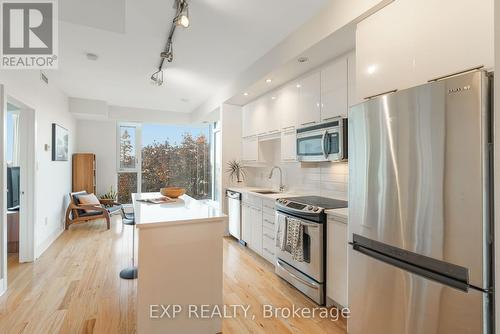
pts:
pixel 236 171
pixel 109 198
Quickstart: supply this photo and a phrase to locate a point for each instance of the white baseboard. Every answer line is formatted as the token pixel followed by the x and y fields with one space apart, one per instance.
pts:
pixel 48 241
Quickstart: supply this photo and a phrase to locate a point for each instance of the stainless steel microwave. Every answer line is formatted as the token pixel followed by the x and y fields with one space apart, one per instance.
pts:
pixel 323 142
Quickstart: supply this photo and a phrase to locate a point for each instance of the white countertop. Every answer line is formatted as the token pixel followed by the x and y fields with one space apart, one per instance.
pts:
pixel 252 190
pixel 184 209
pixel 341 214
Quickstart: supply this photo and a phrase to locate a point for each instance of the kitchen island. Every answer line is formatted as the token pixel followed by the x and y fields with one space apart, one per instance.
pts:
pixel 179 263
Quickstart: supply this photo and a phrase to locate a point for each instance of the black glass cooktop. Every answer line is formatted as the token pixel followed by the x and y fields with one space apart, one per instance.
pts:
pixel 323 202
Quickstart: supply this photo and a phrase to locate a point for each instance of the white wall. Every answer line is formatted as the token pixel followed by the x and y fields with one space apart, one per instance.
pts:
pixel 53 178
pixel 230 117
pixel 99 137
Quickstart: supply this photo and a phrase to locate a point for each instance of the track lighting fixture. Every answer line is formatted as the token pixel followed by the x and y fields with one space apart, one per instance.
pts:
pixel 157 77
pixel 181 19
pixel 169 54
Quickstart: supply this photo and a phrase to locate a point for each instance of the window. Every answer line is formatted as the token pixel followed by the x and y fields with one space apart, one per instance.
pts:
pixel 170 155
pixel 128 161
pixel 177 156
pixel 128 158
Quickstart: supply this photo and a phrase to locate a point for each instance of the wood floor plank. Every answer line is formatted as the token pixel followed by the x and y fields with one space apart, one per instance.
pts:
pixel 75 288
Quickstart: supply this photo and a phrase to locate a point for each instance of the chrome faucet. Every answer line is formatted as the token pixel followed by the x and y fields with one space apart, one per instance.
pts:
pixel 282 187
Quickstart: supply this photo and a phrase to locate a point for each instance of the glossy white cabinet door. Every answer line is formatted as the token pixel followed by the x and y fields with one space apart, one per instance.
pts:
pixel 309 111
pixel 272 118
pixel 249 119
pixel 289 145
pixel 409 42
pixel 246 226
pixel 256 244
pixel 287 104
pixel 334 89
pixel 336 278
pixel 250 149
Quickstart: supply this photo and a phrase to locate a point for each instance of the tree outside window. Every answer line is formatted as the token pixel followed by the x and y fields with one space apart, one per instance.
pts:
pixel 171 156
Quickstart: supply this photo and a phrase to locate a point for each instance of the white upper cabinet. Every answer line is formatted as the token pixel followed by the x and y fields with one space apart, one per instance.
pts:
pixel 409 42
pixel 334 89
pixel 309 111
pixel 289 145
pixel 248 120
pixel 250 149
pixel 273 113
pixel 287 100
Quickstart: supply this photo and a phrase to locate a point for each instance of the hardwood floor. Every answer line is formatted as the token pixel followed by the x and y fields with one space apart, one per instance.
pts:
pixel 74 288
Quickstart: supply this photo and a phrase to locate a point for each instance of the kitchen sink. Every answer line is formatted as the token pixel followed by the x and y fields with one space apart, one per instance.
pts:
pixel 266 192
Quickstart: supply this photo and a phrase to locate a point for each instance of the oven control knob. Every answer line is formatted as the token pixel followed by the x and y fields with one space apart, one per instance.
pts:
pixel 315 209
pixel 309 207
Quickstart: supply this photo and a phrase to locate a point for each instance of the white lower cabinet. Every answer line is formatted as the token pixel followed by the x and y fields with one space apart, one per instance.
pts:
pixel 256 239
pixel 258 225
pixel 336 267
pixel 246 222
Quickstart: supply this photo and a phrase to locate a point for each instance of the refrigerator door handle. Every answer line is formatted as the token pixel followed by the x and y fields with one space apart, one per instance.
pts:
pixel 445 280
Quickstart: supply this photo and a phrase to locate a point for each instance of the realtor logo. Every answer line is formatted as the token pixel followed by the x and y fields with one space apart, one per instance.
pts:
pixel 29 34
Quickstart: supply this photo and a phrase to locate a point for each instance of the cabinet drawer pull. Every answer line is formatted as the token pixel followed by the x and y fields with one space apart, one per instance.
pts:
pixel 267 250
pixel 380 94
pixel 456 73
pixel 270 222
pixel 289 127
pixel 308 123
pixel 329 118
pixel 268 236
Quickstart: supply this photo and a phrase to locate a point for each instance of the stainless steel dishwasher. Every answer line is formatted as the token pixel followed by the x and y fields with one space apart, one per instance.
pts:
pixel 234 211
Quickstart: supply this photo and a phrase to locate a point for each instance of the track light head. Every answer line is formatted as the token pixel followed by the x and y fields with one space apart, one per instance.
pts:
pixel 182 18
pixel 157 78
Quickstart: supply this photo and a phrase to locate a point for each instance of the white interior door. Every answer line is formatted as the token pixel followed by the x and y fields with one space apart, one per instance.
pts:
pixel 27 141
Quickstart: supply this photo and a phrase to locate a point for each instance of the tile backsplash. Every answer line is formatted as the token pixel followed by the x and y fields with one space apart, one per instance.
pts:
pixel 329 179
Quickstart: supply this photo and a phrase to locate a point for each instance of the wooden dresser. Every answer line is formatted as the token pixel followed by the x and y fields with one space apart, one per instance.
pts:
pixel 84 177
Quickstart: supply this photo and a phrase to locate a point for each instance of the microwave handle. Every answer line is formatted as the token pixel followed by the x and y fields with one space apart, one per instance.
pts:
pixel 323 145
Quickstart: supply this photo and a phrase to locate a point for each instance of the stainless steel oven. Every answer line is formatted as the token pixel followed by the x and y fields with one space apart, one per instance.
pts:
pixel 323 142
pixel 307 276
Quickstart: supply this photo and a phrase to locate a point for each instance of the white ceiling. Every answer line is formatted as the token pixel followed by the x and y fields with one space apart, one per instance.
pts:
pixel 225 37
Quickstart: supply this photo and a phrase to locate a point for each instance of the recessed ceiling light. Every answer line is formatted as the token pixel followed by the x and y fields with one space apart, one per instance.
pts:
pixel 372 69
pixel 273 97
pixel 92 56
pixel 298 85
pixel 302 59
pixel 269 80
pixel 245 93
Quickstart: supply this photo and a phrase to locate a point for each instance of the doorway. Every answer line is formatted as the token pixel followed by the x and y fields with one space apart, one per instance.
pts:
pixel 20 183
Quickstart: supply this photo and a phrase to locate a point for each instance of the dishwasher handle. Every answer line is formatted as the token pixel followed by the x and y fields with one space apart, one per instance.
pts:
pixel 233 194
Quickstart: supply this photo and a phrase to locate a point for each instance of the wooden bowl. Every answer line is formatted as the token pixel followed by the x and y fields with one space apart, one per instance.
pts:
pixel 172 192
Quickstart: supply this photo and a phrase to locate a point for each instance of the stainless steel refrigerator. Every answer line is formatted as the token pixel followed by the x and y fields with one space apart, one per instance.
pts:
pixel 420 212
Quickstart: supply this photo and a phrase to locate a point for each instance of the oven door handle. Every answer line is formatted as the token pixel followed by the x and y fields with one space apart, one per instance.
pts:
pixel 279 263
pixel 314 225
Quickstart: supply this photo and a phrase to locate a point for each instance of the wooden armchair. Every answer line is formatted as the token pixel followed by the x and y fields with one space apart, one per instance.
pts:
pixel 76 212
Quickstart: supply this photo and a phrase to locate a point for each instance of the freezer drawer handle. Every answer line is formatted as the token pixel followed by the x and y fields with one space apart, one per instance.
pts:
pixel 412 268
